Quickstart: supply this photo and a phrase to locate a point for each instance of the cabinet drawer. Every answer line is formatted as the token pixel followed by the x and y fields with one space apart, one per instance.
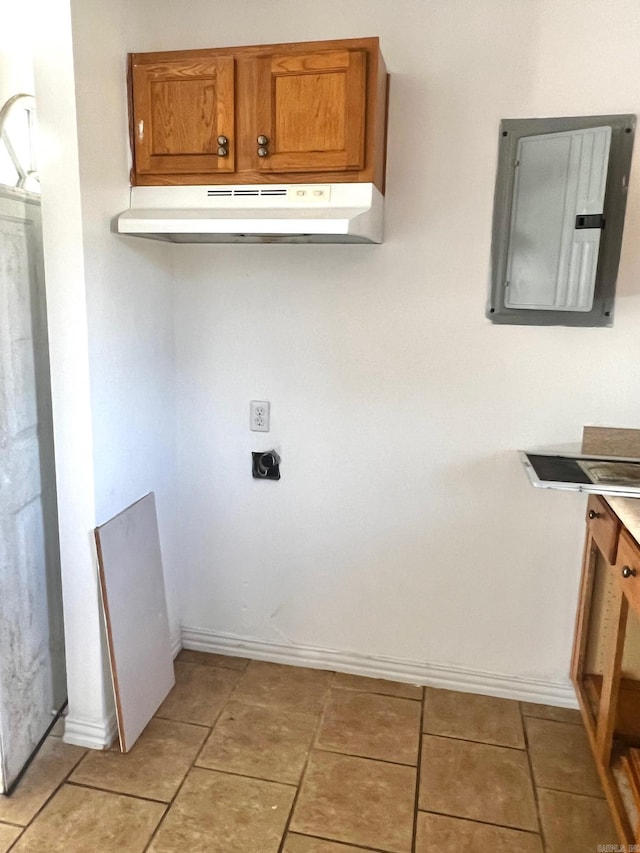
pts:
pixel 627 569
pixel 604 525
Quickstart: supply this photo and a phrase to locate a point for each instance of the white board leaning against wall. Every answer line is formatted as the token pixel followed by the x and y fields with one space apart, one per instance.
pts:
pixel 135 610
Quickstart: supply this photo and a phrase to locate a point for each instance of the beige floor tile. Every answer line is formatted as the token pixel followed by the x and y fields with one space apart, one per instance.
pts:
pixel 358 801
pixel 477 781
pixel 551 712
pixel 357 792
pixel 81 820
pixel 219 813
pixel 377 685
pixel 210 659
pixel 293 687
pixel 8 835
pixel 561 757
pixel 371 725
pixel 306 844
pixel 199 693
pixel 440 834
pixel 574 823
pixel 472 717
pixel 261 741
pixel 154 768
pixel 49 768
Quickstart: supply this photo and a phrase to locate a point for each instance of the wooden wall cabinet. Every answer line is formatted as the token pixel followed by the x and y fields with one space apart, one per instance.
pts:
pixel 606 655
pixel 313 112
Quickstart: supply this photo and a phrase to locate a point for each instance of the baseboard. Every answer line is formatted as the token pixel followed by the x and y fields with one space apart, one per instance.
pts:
pixel 101 735
pixel 90 734
pixel 431 674
pixel 176 643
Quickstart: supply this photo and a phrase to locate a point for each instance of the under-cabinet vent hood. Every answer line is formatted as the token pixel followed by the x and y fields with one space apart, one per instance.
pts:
pixel 291 213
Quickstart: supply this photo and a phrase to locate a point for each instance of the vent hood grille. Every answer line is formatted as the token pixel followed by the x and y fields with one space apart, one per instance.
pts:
pixel 331 213
pixel 243 192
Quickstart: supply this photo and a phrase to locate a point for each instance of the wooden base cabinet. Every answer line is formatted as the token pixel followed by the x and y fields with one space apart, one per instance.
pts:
pixel 606 661
pixel 312 112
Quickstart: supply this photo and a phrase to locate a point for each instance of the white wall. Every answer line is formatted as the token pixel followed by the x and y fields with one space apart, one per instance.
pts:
pixel 403 525
pixel 129 291
pixel 90 703
pixel 111 329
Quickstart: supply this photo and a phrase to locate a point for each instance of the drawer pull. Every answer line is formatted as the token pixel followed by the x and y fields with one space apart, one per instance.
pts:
pixel 628 572
pixel 593 514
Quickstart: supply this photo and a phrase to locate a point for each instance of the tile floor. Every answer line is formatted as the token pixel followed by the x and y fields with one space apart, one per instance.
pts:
pixel 253 757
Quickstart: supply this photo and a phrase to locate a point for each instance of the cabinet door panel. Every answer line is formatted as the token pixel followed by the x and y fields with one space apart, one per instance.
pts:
pixel 604 527
pixel 180 107
pixel 312 109
pixel 627 569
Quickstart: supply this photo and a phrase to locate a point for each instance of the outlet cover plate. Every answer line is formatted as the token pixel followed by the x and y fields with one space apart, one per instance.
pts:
pixel 260 416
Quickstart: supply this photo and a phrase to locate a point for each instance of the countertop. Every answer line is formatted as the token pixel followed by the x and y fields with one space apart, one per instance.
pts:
pixel 628 511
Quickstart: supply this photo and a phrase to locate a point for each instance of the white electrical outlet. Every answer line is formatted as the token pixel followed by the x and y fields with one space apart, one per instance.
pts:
pixel 259 416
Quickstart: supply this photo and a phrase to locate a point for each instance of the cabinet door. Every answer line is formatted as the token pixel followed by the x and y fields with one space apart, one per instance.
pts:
pixel 180 108
pixel 606 658
pixel 311 107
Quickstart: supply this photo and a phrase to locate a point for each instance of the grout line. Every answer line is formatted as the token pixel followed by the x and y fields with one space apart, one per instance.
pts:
pixel 242 675
pixel 283 707
pixel 189 769
pixel 208 726
pixel 366 757
pixel 520 749
pixel 571 793
pixel 160 822
pixel 55 790
pixel 167 809
pixel 12 846
pixel 306 764
pixel 532 777
pixel 377 692
pixel 180 722
pixel 229 698
pixel 193 763
pixel 243 775
pixel 578 723
pixel 92 787
pixel 416 802
pixel 191 766
pixel 342 843
pixel 483 822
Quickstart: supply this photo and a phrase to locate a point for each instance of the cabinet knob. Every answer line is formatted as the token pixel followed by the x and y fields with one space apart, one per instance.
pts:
pixel 222 140
pixel 262 140
pixel 594 514
pixel 222 151
pixel 628 572
pixel 262 152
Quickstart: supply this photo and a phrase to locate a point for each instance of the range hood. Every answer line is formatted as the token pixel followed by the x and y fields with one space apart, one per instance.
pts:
pixel 274 213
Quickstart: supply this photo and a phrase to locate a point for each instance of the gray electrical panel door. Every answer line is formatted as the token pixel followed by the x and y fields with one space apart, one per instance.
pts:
pixel 556 222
